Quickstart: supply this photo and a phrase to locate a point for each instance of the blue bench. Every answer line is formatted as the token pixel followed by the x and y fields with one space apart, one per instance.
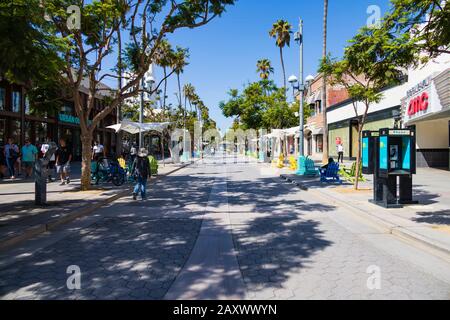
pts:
pixel 331 173
pixel 307 167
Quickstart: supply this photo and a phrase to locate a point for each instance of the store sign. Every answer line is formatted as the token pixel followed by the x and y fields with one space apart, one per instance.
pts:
pixel 399 132
pixel 68 118
pixel 421 100
pixel 418 104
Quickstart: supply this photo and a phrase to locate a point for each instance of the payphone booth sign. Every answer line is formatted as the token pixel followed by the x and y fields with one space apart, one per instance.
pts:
pixel 396 151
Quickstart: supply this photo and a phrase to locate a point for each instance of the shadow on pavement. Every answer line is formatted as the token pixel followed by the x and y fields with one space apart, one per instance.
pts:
pixel 441 217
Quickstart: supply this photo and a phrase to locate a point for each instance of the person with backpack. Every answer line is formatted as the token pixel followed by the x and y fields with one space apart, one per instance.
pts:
pixel 141 170
pixel 11 152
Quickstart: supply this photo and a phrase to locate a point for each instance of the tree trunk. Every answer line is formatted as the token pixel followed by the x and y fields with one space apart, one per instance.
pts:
pixel 284 71
pixel 358 156
pixel 324 86
pixel 86 155
pixel 165 91
pixel 119 135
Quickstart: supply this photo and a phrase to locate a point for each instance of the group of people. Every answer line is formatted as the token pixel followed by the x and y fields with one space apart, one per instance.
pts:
pixel 16 161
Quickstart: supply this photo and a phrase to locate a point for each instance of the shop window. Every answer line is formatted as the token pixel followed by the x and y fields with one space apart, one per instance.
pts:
pixel 2 99
pixel 41 131
pixel 14 130
pixel 2 131
pixel 28 131
pixel 313 110
pixel 67 108
pixel 16 101
pixel 319 143
pixel 27 105
pixel 318 107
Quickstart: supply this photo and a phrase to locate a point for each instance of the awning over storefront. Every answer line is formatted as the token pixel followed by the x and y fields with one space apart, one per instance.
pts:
pixel 136 127
pixel 315 96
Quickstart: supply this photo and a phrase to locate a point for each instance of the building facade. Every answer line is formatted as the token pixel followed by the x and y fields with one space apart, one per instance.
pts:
pixel 426 108
pixel 19 120
pixel 422 102
pixel 314 128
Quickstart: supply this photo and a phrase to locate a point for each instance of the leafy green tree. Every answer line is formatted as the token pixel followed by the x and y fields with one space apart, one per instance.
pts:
pixel 261 105
pixel 28 56
pixel 368 66
pixel 422 26
pixel 281 32
pixel 83 44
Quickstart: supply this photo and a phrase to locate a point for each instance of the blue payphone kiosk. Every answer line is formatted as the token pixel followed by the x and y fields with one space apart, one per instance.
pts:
pixel 390 155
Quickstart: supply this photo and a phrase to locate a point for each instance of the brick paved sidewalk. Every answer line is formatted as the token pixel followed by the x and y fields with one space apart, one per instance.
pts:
pixel 428 222
pixel 21 219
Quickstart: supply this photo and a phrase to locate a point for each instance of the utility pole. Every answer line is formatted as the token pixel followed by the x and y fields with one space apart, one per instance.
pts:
pixel 301 89
pixel 141 108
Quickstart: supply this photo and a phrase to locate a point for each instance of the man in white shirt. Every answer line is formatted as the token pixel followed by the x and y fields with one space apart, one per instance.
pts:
pixel 98 151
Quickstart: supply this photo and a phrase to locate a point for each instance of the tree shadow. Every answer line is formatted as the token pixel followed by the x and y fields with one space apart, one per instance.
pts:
pixel 441 217
pixel 423 196
pixel 138 248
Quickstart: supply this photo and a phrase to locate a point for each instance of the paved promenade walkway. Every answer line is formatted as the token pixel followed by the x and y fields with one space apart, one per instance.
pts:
pixel 21 219
pixel 429 221
pixel 224 230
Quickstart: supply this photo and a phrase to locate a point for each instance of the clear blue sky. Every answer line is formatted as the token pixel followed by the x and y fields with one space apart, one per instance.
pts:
pixel 224 52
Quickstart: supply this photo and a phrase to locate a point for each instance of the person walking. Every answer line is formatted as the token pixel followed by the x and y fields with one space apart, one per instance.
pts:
pixel 51 164
pixel 11 152
pixel 340 151
pixel 29 155
pixel 141 170
pixel 63 159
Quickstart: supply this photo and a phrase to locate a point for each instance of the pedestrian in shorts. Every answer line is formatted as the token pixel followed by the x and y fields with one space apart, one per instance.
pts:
pixel 63 158
pixel 29 154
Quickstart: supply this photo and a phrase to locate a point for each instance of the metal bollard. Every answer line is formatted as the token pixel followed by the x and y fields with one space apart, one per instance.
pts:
pixel 40 176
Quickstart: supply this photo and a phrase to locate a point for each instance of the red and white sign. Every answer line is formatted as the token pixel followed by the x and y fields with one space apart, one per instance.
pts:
pixel 418 104
pixel 421 100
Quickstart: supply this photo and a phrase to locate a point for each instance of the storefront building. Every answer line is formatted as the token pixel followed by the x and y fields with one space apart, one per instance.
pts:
pixel 426 107
pixel 314 127
pixel 21 121
pixel 343 121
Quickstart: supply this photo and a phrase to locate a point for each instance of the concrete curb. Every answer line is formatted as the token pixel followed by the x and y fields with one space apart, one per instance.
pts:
pixel 9 242
pixel 388 227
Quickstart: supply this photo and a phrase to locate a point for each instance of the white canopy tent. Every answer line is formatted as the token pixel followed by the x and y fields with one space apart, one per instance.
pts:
pixel 136 127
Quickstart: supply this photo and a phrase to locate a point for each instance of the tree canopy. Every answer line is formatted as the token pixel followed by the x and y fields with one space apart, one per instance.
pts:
pixel 261 105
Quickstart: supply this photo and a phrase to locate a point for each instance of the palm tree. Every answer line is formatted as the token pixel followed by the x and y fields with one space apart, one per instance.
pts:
pixel 281 31
pixel 264 68
pixel 179 62
pixel 164 57
pixel 324 85
pixel 189 93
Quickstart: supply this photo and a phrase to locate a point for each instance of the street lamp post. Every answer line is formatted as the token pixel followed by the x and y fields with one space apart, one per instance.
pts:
pixel 141 114
pixel 146 84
